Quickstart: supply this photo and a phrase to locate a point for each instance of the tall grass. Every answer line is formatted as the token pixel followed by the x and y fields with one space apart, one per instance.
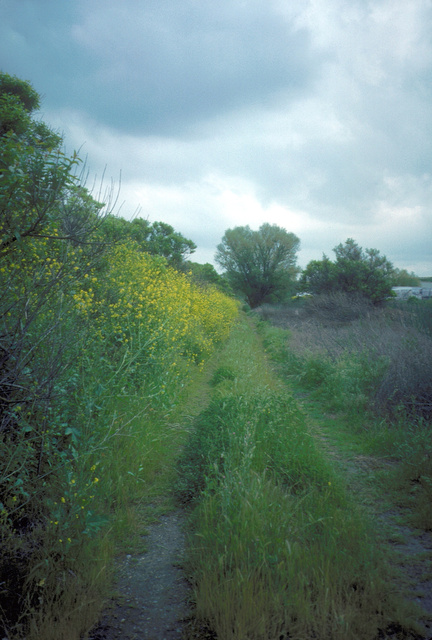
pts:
pixel 374 367
pixel 277 548
pixel 352 351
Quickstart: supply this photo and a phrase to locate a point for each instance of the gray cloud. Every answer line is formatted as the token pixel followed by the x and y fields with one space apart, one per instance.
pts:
pixel 158 67
pixel 315 115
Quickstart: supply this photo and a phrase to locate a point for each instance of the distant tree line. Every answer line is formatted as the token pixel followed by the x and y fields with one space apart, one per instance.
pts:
pixel 260 266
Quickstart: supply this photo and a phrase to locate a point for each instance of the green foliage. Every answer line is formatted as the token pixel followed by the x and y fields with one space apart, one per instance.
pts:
pixel 157 238
pixel 319 276
pixel 166 242
pixel 85 329
pixel 47 508
pixel 205 274
pixel 355 271
pixel 17 100
pixel 401 278
pixel 268 422
pixel 221 374
pixel 259 265
pixel 13 115
pixel 38 186
pixel 277 549
pixel 375 372
pixel 21 89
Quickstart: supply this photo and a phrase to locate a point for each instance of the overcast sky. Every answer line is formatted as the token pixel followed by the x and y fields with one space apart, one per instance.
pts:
pixel 314 115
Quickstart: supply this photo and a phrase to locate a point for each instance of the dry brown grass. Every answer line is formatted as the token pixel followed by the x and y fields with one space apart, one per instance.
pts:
pixel 338 326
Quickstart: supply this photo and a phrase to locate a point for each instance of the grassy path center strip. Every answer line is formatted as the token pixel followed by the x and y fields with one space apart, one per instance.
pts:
pixel 278 548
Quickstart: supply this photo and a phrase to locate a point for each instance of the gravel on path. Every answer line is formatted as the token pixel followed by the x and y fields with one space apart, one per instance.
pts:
pixel 152 592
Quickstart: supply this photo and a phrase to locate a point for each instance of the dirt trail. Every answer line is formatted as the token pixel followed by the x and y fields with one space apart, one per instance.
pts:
pixel 152 600
pixel 151 594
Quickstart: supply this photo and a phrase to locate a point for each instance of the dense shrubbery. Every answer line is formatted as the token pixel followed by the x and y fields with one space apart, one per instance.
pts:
pixel 86 327
pixel 355 271
pixel 339 344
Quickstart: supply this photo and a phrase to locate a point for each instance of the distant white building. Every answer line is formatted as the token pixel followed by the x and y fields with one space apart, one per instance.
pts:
pixel 404 293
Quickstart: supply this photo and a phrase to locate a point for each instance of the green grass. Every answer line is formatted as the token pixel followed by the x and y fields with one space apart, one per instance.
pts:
pixel 278 548
pixel 119 479
pixel 356 373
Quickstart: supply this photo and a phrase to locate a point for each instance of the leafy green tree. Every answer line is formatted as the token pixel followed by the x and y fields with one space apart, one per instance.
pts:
pixel 170 244
pixel 120 230
pixel 47 220
pixel 319 276
pixel 39 191
pixel 401 278
pixel 355 271
pixel 204 274
pixel 157 238
pixel 18 100
pixel 259 265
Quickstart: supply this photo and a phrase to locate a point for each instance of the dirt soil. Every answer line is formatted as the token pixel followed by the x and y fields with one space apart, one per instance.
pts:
pixel 152 592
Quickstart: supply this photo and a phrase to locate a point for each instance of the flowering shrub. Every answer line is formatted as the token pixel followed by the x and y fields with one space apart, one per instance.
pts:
pixel 85 331
pixel 151 318
pixel 78 332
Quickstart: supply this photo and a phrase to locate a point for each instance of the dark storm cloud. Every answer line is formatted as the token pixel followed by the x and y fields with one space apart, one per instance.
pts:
pixel 35 44
pixel 312 114
pixel 156 67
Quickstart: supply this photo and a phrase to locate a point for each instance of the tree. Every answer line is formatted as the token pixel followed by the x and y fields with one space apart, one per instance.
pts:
pixel 355 271
pixel 47 223
pixel 401 278
pixel 206 274
pixel 260 265
pixel 170 244
pixel 39 191
pixel 18 100
pixel 319 276
pixel 158 238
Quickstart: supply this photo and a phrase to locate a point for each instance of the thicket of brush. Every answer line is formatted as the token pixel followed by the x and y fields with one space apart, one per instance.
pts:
pixel 96 339
pixel 350 345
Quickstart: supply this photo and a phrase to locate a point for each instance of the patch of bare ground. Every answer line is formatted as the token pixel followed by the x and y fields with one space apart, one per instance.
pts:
pixel 151 600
